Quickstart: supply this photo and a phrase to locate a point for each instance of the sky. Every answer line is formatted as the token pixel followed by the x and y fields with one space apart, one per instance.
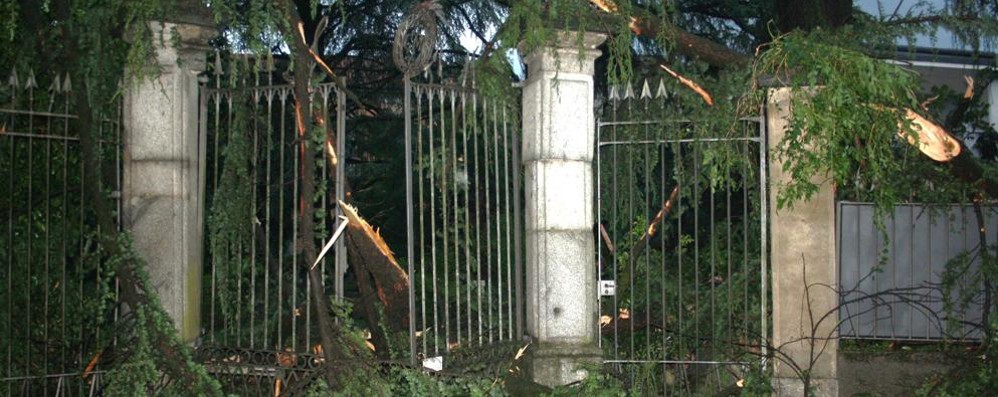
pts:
pixel 885 8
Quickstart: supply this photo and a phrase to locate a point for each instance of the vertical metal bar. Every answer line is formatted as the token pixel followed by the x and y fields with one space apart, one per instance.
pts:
pixel 517 230
pixel 231 328
pixel 454 204
pixel 29 260
pixel 410 249
pixel 202 168
pixel 680 247
pixel 296 199
pixel 647 247
pixel 892 246
pixel 764 232
pixel 745 151
pixel 12 143
pixel 631 182
pixel 282 130
pixel 422 220
pixel 217 95
pixel 82 268
pixel 65 227
pixel 211 298
pixel 614 219
pixel 48 242
pixel 488 211
pixel 267 208
pixel 728 219
pixel 238 271
pixel 467 209
pixel 478 215
pixel 498 220
pixel 695 202
pixel 663 151
pixel 509 248
pixel 599 224
pixel 911 269
pixel 445 178
pixel 713 259
pixel 433 225
pixel 119 166
pixel 254 174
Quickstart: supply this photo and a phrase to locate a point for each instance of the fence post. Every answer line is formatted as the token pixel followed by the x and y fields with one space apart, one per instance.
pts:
pixel 803 240
pixel 162 182
pixel 558 149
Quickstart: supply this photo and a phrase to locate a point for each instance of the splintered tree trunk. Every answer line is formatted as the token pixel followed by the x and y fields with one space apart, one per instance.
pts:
pixel 384 285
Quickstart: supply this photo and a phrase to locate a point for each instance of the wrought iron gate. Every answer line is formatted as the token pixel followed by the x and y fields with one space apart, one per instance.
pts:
pixel 464 193
pixel 258 318
pixel 58 297
pixel 682 252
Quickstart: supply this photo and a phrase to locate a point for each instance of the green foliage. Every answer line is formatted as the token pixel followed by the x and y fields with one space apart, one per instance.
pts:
pixel 230 227
pixel 843 128
pixel 598 384
pixel 976 376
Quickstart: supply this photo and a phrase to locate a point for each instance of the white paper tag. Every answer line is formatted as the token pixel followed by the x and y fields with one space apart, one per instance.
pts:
pixel 434 363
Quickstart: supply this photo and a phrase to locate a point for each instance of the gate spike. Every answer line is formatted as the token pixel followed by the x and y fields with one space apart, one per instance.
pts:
pixel 613 92
pixel 629 92
pixel 67 84
pixel 56 85
pixel 217 70
pixel 13 80
pixel 645 91
pixel 660 93
pixel 31 83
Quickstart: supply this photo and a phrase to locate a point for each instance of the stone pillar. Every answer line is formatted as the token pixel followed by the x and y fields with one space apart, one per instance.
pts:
pixel 803 238
pixel 162 186
pixel 558 149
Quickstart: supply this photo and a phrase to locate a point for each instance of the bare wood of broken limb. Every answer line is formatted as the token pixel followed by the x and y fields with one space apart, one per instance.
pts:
pixel 653 224
pixel 380 278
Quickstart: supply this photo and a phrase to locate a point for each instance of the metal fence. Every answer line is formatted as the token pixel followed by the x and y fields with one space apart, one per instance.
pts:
pixel 892 281
pixel 682 253
pixel 464 195
pixel 260 330
pixel 58 299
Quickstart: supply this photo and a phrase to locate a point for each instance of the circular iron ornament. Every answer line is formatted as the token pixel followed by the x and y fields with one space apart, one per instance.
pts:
pixel 416 38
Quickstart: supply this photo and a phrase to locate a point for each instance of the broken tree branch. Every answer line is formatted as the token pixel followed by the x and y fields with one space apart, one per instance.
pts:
pixel 654 223
pixel 690 84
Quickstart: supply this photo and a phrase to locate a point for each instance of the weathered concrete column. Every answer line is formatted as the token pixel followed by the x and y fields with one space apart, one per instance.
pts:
pixel 803 239
pixel 558 148
pixel 162 190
